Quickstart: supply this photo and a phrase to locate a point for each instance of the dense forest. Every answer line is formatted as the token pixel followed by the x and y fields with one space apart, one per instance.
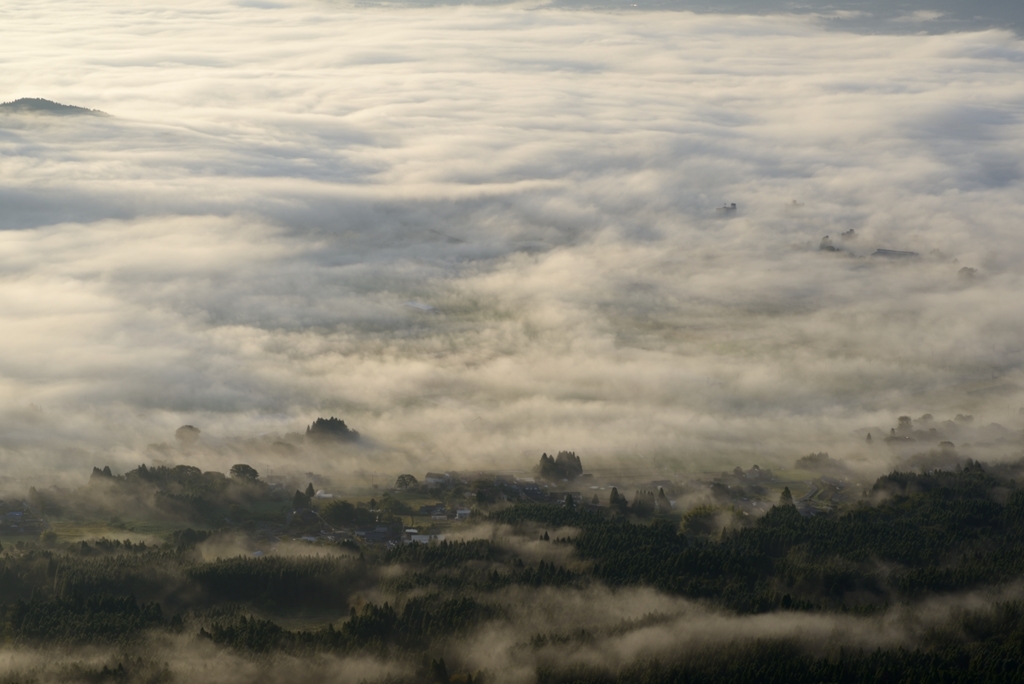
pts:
pixel 425 609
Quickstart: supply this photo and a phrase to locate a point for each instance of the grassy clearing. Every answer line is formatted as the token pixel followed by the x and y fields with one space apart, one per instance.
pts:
pixel 9 540
pixel 77 531
pixel 136 531
pixel 268 511
pixel 795 475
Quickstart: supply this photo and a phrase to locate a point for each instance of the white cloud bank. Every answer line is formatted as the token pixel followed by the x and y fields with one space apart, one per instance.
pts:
pixel 235 246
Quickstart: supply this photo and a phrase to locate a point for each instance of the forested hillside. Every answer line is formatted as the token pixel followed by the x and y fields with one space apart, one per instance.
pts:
pixel 915 538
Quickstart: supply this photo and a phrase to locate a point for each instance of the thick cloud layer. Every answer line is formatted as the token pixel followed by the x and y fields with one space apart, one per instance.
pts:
pixel 481 233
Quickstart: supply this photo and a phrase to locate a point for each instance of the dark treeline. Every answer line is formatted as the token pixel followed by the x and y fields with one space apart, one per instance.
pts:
pixel 98 619
pixel 939 532
pixel 180 580
pixel 993 660
pixel 918 535
pixel 180 493
pixel 275 581
pixel 378 630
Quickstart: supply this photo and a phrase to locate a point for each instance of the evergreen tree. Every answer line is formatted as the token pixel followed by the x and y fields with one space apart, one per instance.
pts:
pixel 786 499
pixel 663 504
pixel 440 671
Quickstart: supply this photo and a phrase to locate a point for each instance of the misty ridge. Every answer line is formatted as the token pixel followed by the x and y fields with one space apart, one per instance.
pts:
pixel 511 343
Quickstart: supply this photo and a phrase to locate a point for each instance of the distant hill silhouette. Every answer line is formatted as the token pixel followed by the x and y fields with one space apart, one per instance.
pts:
pixel 35 105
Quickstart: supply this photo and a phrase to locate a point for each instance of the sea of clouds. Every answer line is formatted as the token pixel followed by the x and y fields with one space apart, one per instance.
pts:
pixel 478 233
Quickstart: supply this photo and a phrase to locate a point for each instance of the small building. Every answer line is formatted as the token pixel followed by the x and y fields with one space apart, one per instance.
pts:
pixel 304 516
pixel 437 478
pixel 463 514
pixel 377 535
pixel 534 493
pixel 425 538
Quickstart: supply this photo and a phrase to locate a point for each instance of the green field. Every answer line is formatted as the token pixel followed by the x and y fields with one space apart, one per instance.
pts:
pixel 136 531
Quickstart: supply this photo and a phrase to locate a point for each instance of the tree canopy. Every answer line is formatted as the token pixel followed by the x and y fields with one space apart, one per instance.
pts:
pixel 565 466
pixel 405 482
pixel 327 429
pixel 242 471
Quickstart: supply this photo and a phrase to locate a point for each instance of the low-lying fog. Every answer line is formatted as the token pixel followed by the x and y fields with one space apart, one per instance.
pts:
pixel 591 628
pixel 479 233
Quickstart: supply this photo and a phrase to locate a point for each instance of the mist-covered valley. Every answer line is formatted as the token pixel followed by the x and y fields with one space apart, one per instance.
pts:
pixel 752 268
pixel 169 573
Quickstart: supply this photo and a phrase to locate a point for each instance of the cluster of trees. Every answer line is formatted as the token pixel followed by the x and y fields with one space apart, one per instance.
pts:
pixel 342 514
pixel 98 619
pixel 283 583
pixel 565 466
pixel 303 499
pixel 380 630
pixel 942 531
pixel 443 555
pixel 119 669
pixel 821 462
pixel 176 575
pixel 645 502
pixel 184 493
pixel 993 660
pixel 331 429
